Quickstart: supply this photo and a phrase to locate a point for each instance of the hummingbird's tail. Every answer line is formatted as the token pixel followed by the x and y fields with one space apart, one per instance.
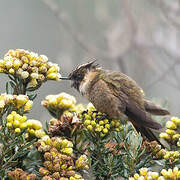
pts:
pixel 154 109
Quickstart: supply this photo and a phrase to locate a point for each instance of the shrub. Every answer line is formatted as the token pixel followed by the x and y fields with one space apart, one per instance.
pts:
pixel 78 141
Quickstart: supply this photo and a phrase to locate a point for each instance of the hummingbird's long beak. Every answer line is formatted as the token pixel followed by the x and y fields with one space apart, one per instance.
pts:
pixel 64 78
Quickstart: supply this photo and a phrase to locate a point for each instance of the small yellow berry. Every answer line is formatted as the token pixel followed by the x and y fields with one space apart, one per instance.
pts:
pixel 23 125
pixel 11 71
pixel 32 132
pixel 101 122
pixel 170 125
pixel 16 64
pixel 16 123
pixel 87 122
pixel 13 113
pixel 170 132
pixel 9 125
pixel 9 64
pixel 105 130
pixel 164 136
pixel 106 121
pixel 136 175
pixel 28 105
pixel 102 134
pixel 93 123
pixel 107 126
pixel 117 124
pixel 89 127
pixel 10 118
pixel 176 120
pixel 178 143
pixel 17 130
pixel 143 171
pixel 154 175
pixel 175 170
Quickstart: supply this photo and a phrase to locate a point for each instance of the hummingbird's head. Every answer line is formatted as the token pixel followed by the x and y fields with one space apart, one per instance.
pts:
pixel 79 73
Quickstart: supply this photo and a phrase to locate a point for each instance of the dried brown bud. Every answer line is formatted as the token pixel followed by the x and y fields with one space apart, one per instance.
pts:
pixel 57 167
pixel 47 178
pixel 70 173
pixel 45 103
pixel 43 171
pixel 47 156
pixel 48 165
pixel 56 175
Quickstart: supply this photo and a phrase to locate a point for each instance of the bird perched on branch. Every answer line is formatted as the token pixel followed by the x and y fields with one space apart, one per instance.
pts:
pixel 116 95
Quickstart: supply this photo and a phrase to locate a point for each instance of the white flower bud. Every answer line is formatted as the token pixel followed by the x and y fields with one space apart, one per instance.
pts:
pixel 24 74
pixel 34 75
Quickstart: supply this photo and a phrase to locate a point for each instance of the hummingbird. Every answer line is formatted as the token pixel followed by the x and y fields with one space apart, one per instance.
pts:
pixel 117 95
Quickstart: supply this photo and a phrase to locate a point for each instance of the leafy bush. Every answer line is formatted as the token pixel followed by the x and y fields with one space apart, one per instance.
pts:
pixel 78 141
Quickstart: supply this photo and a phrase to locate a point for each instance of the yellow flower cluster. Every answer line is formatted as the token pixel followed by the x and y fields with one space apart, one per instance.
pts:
pixel 59 159
pixel 17 123
pixel 61 144
pixel 172 156
pixel 154 148
pixel 97 122
pixel 170 174
pixel 82 162
pixel 19 174
pixel 17 101
pixel 34 128
pixel 59 103
pixel 172 133
pixel 29 66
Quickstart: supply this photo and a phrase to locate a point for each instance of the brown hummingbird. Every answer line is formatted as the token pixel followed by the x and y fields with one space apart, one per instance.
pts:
pixel 116 95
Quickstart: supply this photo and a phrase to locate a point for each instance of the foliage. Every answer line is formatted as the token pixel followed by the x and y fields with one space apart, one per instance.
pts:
pixel 78 140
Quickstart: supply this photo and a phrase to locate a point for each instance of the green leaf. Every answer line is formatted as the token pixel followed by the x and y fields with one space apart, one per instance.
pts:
pixel 32 96
pixel 7 88
pixel 2 173
pixel 12 84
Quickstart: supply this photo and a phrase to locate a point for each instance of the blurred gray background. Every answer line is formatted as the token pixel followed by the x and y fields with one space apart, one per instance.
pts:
pixel 140 38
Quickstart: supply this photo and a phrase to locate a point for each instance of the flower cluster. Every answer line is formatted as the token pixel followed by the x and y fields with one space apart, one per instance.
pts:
pixel 29 66
pixel 172 134
pixel 34 128
pixel 172 156
pixel 58 104
pixel 59 159
pixel 65 126
pixel 19 102
pixel 98 123
pixel 19 174
pixel 171 174
pixel 82 162
pixel 154 148
pixel 17 123
pixel 61 144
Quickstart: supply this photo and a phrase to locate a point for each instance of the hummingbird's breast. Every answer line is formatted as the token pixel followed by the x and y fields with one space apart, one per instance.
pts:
pixel 86 83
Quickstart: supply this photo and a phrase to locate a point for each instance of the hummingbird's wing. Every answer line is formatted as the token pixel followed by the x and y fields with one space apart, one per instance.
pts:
pixel 130 94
